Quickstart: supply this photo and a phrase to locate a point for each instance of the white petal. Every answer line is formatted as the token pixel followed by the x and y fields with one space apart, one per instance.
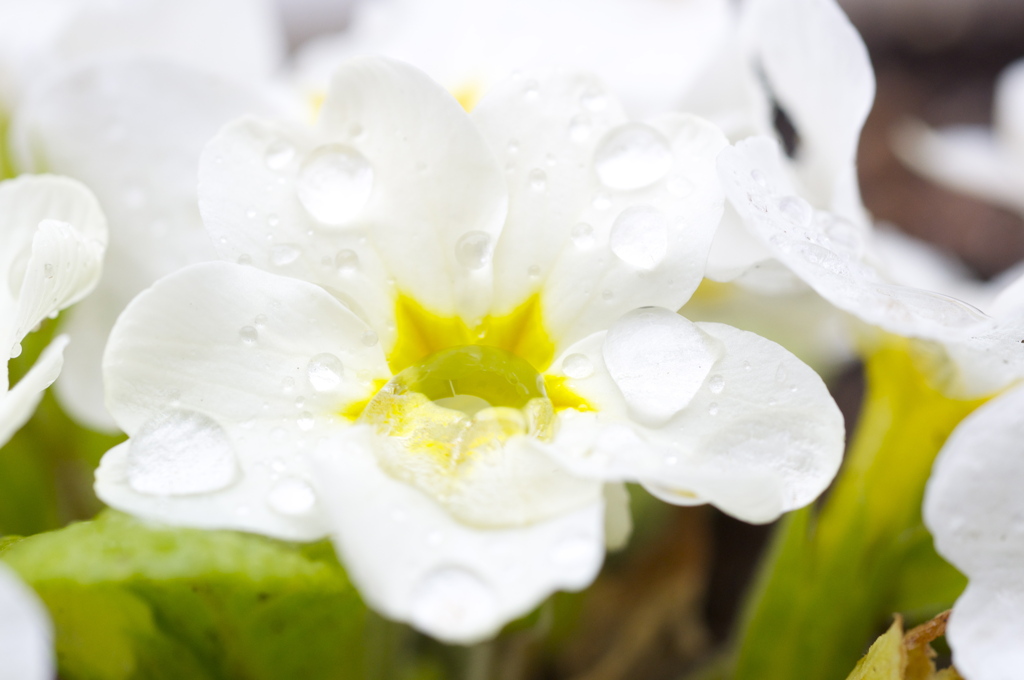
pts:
pixel 26 634
pixel 79 387
pixel 649 51
pixel 618 521
pixel 133 131
pixel 412 562
pixel 626 211
pixel 985 630
pixel 817 66
pixel 658 360
pixel 827 252
pixel 760 436
pixel 964 158
pixel 973 497
pixel 52 247
pixel 237 344
pixel 18 404
pixel 395 173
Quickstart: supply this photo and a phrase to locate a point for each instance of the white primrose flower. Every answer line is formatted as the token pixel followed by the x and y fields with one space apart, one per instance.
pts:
pixel 132 129
pixel 974 509
pixel 987 163
pixel 232 38
pixel 52 238
pixel 26 633
pixel 455 339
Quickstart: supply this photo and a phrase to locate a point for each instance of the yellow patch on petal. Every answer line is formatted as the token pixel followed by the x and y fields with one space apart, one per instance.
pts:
pixel 468 94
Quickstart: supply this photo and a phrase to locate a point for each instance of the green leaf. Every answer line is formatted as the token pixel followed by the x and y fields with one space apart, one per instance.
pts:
pixel 132 600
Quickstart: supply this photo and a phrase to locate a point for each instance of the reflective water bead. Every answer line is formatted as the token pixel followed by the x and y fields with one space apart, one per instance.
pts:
pixel 538 179
pixel 284 254
pixel 369 339
pixel 182 452
pixel 325 372
pixel 716 384
pixel 639 236
pixel 796 210
pixel 473 250
pixel 248 334
pixel 578 366
pixel 334 183
pixel 291 497
pixel 632 156
pixel 279 154
pixel 346 261
pixel 583 235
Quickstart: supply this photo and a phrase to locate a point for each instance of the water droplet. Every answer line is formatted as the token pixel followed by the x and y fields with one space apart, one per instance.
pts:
pixel 279 154
pixel 713 409
pixel 639 236
pixel 291 497
pixel 355 131
pixel 844 234
pixel 251 213
pixel 245 259
pixel 679 186
pixel 452 603
pixel 580 128
pixel 346 261
pixel 747 366
pixel 260 321
pixel 583 235
pixel 780 373
pixel 182 452
pixel 538 179
pixel 594 99
pixel 602 201
pixel 759 178
pixel 532 90
pixel 16 350
pixel 325 372
pixel 273 220
pixel 716 384
pixel 632 156
pixel 796 210
pixel 513 146
pixel 607 295
pixel 473 251
pixel 248 334
pixel 578 366
pixel 48 270
pixel 369 338
pixel 284 254
pixel 305 422
pixel 334 183
pixel 300 402
pixel 534 271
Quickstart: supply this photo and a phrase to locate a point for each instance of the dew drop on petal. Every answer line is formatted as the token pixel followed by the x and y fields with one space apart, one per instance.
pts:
pixel 16 350
pixel 716 384
pixel 602 201
pixel 325 372
pixel 182 452
pixel 346 261
pixel 452 602
pixel 583 235
pixel 334 183
pixel 248 334
pixel 369 339
pixel 594 99
pixel 780 373
pixel 305 422
pixel 473 250
pixel 578 366
pixel 279 154
pixel 639 236
pixel 759 178
pixel 713 409
pixel 538 180
pixel 284 254
pixel 533 271
pixel 679 186
pixel 632 156
pixel 291 497
pixel 580 128
pixel 796 210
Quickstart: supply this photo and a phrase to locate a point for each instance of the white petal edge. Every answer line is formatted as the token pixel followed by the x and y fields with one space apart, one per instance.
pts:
pixel 26 633
pixel 985 630
pixel 413 563
pixel 18 404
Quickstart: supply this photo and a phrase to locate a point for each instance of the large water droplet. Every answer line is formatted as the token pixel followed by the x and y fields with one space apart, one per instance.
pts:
pixel 279 154
pixel 473 250
pixel 452 603
pixel 578 366
pixel 248 334
pixel 346 261
pixel 639 236
pixel 325 372
pixel 632 156
pixel 182 452
pixel 369 339
pixel 716 384
pixel 284 254
pixel 291 497
pixel 334 183
pixel 796 210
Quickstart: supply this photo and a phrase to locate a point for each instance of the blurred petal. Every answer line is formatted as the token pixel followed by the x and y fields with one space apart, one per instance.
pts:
pixel 26 634
pixel 18 404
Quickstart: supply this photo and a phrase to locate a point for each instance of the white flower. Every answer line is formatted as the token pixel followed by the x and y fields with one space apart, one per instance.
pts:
pixel 986 163
pixel 975 509
pixel 456 341
pixel 132 130
pixel 233 38
pixel 52 238
pixel 26 634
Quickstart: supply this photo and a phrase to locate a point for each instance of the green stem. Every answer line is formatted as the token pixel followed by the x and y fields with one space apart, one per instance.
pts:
pixel 836 573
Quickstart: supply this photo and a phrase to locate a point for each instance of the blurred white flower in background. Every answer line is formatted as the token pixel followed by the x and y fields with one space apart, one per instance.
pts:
pixel 26 633
pixel 444 352
pixel 975 509
pixel 52 238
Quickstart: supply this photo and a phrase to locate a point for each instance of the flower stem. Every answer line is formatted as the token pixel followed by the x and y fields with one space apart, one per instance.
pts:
pixel 836 573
